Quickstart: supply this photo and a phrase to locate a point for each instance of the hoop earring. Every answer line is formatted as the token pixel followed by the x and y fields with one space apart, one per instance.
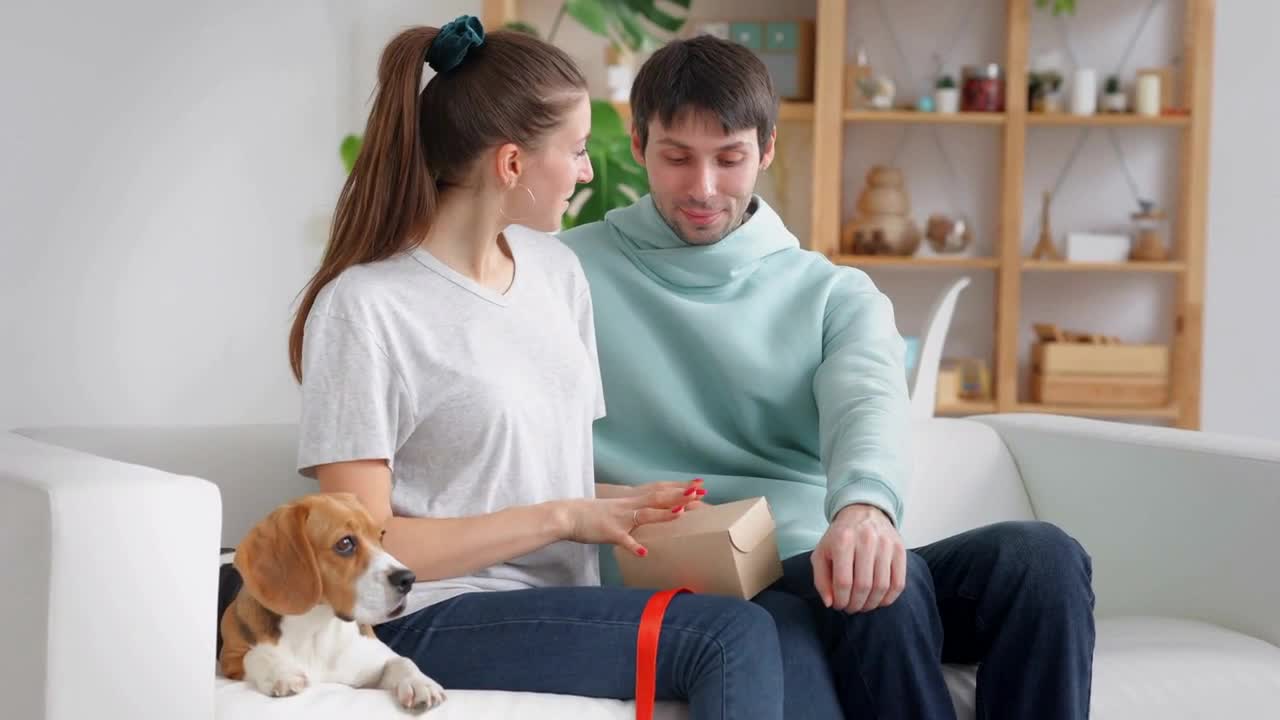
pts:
pixel 533 204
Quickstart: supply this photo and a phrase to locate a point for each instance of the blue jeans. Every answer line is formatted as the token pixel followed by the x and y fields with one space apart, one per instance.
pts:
pixel 1016 598
pixel 718 654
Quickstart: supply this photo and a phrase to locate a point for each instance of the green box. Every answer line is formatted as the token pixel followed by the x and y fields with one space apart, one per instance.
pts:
pixel 747 34
pixel 784 36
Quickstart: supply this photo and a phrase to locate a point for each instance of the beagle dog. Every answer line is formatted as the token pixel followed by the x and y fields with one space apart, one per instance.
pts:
pixel 315 578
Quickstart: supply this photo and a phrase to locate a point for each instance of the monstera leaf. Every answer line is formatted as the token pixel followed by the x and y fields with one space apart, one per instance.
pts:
pixel 1060 7
pixel 628 22
pixel 618 179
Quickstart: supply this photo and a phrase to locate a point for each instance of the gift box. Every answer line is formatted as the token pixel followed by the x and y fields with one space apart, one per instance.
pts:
pixel 728 549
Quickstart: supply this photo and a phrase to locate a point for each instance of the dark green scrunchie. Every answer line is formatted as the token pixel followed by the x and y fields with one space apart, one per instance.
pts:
pixel 453 43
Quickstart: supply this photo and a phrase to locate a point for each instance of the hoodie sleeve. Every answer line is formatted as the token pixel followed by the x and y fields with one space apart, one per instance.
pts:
pixel 861 391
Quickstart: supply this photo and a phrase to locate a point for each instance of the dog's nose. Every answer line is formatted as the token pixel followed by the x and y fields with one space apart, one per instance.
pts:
pixel 402 580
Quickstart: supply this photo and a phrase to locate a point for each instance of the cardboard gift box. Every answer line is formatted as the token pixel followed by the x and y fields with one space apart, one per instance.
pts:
pixel 728 549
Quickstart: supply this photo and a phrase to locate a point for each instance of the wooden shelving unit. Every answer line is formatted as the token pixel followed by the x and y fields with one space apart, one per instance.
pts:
pixel 1168 266
pixel 1067 120
pixel 1150 413
pixel 829 118
pixel 787 111
pixel 921 262
pixel 1009 264
pixel 907 116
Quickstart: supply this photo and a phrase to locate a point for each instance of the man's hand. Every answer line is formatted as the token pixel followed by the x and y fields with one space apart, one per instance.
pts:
pixel 860 564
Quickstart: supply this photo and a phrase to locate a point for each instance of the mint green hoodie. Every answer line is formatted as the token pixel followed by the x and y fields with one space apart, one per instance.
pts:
pixel 752 363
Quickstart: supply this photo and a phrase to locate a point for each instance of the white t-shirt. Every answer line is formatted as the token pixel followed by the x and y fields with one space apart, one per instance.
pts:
pixel 479 400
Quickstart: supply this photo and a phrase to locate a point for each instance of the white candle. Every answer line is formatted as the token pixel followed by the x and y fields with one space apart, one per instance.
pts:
pixel 1147 95
pixel 1084 92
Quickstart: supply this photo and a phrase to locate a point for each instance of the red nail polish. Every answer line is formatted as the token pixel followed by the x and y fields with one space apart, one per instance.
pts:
pixel 701 492
pixel 642 552
pixel 676 510
pixel 690 491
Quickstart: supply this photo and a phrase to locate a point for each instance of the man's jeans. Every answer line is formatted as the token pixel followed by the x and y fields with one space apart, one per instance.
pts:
pixel 718 654
pixel 1014 597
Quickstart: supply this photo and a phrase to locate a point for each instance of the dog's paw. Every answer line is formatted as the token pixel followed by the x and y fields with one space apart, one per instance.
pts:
pixel 284 684
pixel 419 692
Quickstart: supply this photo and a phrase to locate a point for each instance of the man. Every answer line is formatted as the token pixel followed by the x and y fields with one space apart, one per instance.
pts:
pixel 729 352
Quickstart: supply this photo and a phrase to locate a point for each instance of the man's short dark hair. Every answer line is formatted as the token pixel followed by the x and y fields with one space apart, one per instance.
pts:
pixel 705 73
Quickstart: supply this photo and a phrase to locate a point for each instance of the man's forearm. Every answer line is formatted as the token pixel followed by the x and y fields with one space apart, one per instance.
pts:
pixel 852 511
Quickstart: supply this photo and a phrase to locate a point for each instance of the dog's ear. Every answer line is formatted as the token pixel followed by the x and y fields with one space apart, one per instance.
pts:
pixel 277 563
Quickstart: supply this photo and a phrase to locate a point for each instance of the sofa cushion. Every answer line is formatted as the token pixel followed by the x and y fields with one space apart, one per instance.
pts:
pixel 1144 667
pixel 1155 667
pixel 235 701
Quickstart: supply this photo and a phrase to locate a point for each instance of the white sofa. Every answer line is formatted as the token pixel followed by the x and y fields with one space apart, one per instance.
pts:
pixel 107 593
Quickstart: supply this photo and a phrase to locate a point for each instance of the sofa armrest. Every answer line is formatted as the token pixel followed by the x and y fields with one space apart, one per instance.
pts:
pixel 1178 522
pixel 108 595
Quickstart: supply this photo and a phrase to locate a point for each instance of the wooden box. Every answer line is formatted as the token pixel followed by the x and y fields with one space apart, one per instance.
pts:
pixel 1100 390
pixel 1069 358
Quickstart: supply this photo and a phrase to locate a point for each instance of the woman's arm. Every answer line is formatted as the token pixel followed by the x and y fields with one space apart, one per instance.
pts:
pixel 437 548
pixel 605 490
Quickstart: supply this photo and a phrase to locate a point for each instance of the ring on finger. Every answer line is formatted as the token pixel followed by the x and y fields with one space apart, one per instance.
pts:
pixel 635 520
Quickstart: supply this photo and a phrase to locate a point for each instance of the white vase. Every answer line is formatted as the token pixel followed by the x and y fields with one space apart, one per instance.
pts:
pixel 1084 92
pixel 1147 95
pixel 947 100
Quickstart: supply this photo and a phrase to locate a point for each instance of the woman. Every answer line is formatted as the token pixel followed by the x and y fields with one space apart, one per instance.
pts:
pixel 448 370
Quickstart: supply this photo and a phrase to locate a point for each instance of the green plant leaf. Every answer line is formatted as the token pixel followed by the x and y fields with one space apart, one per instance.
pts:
pixel 623 22
pixel 592 14
pixel 524 27
pixel 649 9
pixel 629 30
pixel 349 150
pixel 1060 7
pixel 606 122
pixel 618 180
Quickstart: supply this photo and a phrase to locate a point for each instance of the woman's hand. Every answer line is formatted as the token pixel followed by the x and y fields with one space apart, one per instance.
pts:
pixel 693 489
pixel 612 520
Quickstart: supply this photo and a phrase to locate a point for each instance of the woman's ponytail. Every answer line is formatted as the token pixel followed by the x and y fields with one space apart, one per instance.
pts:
pixel 488 90
pixel 390 196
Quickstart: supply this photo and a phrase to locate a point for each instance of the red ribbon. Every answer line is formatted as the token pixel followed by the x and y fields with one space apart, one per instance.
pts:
pixel 647 650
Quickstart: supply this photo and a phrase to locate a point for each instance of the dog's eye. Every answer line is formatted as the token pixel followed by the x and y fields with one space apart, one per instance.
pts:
pixel 345 546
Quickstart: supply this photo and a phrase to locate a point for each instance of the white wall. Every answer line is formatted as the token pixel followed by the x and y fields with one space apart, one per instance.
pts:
pixel 168 172
pixel 1241 385
pixel 169 168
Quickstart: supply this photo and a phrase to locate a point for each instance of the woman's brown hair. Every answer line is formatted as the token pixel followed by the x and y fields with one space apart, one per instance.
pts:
pixel 511 88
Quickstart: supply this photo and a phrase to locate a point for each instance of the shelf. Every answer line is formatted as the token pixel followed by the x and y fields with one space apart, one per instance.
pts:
pixel 1169 412
pixel 928 262
pixel 786 110
pixel 1108 120
pixel 912 116
pixel 1135 266
pixel 965 407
